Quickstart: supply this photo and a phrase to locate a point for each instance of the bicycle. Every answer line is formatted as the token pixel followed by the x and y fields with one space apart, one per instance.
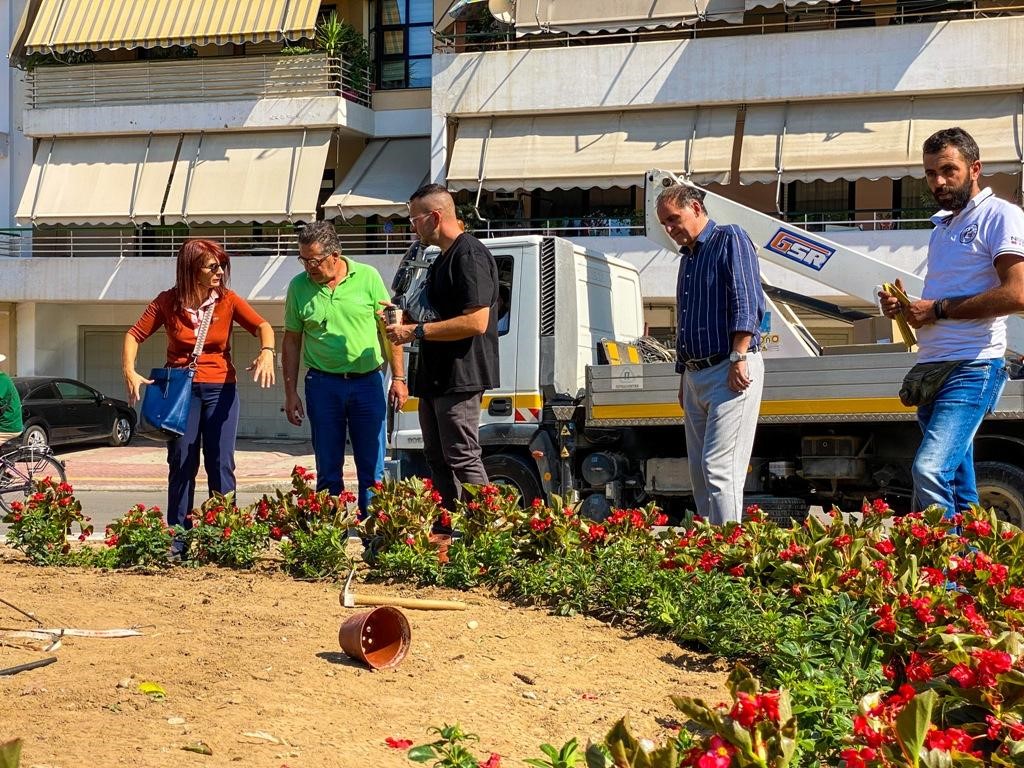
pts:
pixel 21 467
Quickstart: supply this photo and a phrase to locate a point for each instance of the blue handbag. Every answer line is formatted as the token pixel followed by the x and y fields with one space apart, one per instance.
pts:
pixel 167 401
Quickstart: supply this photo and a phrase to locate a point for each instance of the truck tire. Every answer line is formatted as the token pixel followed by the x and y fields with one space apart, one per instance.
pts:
pixel 507 469
pixel 1001 486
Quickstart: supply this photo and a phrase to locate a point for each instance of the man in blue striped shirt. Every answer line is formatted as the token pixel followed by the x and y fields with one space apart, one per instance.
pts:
pixel 720 308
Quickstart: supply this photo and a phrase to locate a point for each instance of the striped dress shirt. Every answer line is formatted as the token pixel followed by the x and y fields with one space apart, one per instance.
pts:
pixel 718 293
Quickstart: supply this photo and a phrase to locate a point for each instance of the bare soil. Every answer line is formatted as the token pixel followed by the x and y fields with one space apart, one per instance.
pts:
pixel 254 652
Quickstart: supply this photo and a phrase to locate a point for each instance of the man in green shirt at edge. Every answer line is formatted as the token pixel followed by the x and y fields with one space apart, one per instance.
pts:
pixel 10 408
pixel 331 316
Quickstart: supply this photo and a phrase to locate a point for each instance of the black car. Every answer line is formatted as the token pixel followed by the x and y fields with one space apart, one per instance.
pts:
pixel 57 410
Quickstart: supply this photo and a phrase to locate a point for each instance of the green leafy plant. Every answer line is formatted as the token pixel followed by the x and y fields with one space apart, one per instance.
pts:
pixel 139 537
pixel 10 754
pixel 339 38
pixel 567 757
pixel 223 534
pixel 450 750
pixel 40 526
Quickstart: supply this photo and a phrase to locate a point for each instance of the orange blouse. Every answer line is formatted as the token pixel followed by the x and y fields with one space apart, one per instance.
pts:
pixel 214 365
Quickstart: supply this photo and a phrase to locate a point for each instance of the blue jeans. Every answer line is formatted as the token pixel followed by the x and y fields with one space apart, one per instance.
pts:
pixel 355 407
pixel 944 465
pixel 212 423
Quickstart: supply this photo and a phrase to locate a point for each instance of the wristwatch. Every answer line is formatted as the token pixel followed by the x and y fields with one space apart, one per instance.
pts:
pixel 418 331
pixel 736 357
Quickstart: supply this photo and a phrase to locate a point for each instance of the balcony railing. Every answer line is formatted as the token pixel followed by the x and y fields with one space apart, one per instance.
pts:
pixel 375 241
pixel 196 80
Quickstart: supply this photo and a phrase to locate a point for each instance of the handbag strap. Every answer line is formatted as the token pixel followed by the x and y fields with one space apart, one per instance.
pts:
pixel 204 327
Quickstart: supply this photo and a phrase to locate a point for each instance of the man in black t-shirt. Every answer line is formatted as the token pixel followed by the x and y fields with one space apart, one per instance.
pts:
pixel 458 354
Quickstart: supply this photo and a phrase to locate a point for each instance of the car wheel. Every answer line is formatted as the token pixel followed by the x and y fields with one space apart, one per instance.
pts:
pixel 121 434
pixel 35 436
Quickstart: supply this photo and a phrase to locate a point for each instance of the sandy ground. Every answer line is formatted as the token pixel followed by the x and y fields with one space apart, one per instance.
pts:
pixel 258 652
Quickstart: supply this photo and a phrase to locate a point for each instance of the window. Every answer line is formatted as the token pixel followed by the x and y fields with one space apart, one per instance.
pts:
pixel 69 390
pixel 506 265
pixel 43 392
pixel 401 42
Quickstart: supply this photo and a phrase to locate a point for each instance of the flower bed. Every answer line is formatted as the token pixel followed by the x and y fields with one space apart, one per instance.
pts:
pixel 877 642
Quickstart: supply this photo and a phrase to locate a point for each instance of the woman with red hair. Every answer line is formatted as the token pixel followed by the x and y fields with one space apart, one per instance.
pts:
pixel 201 287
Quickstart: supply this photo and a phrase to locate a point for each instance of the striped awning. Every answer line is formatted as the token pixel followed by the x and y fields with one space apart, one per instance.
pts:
pixel 90 25
pixel 572 17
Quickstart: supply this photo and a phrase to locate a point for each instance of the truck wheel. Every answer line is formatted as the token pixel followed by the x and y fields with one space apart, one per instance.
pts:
pixel 1001 487
pixel 505 469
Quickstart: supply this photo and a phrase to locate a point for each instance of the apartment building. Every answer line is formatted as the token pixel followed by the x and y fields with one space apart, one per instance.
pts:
pixel 135 124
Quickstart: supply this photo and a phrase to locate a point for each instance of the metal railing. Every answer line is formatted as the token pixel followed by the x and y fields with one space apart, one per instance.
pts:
pixel 882 219
pixel 208 79
pixel 781 19
pixel 371 241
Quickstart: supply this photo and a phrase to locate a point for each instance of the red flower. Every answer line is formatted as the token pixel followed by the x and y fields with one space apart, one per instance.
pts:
pixel 922 609
pixel 709 561
pixel 660 519
pixel 990 664
pixel 112 540
pixel 597 533
pixel 948 740
pixel 276 533
pixel 866 733
pixel 979 527
pixel 963 675
pixel 857 758
pixel 718 755
pixel 885 546
pixel 210 518
pixel 227 532
pixel 841 542
pixel 736 570
pixel 378 486
pixel 409 541
pixel 918 670
pixel 745 710
pixel 997 573
pixel 398 743
pixel 494 761
pixel 849 574
pixel 1014 598
pixel 886 623
pixel 446 519
pixel 383 517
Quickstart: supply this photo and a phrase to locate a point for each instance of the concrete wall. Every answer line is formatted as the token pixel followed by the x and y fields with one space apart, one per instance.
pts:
pixel 828 64
pixel 255 114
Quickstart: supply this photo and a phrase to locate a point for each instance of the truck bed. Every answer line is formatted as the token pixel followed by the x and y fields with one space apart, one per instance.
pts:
pixel 859 387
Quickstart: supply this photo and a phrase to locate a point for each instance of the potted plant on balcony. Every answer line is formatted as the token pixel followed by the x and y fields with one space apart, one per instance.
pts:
pixel 338 38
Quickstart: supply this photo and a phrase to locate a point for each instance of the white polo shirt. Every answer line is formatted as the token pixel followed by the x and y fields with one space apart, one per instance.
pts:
pixel 961 256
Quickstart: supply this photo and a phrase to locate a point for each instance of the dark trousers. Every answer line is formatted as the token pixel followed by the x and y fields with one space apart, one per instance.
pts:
pixel 212 422
pixel 355 408
pixel 451 426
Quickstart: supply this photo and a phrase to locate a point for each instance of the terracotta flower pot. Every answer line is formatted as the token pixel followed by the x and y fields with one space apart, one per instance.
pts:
pixel 378 638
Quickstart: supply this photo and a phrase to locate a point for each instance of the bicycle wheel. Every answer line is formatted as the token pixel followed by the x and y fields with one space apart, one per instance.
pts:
pixel 20 470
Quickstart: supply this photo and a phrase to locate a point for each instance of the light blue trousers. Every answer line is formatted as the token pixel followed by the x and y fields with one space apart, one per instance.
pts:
pixel 720 427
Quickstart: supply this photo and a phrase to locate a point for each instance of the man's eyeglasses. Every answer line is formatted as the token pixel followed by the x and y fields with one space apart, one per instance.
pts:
pixel 311 262
pixel 215 267
pixel 412 219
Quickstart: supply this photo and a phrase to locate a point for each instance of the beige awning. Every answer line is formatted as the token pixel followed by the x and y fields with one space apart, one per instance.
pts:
pixel 80 25
pixel 570 16
pixel 382 179
pixel 98 181
pixel 752 4
pixel 994 120
pixel 826 140
pixel 606 149
pixel 873 138
pixel 264 176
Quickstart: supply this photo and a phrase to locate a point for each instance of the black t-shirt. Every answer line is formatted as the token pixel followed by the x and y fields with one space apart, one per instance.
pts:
pixel 463 277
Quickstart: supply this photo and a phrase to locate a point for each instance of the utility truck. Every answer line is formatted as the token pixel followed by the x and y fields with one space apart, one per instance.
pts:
pixel 581 417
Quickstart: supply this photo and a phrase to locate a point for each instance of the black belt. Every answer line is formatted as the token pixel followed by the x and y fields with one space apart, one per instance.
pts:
pixel 347 375
pixel 702 363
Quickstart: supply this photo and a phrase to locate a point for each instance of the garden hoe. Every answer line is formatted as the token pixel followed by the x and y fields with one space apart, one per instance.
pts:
pixel 351 600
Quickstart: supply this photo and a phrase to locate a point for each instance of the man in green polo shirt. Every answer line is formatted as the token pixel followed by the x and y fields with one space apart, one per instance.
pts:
pixel 330 316
pixel 10 408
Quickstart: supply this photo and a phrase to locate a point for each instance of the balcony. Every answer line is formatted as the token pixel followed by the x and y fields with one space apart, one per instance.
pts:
pixel 218 93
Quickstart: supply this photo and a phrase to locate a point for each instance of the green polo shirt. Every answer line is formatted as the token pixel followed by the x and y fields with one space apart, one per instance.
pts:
pixel 338 327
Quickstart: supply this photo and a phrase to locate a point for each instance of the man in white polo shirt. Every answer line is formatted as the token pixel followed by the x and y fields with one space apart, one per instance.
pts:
pixel 975 279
